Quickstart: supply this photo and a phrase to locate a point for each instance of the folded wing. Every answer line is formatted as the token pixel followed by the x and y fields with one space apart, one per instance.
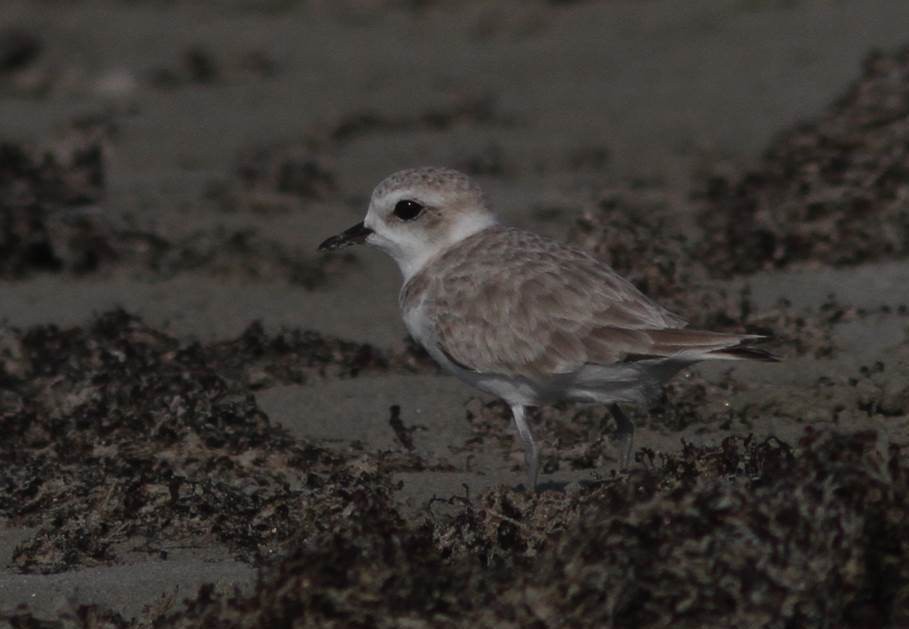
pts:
pixel 515 303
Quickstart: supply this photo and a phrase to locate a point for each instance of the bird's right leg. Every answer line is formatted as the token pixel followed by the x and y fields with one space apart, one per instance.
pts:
pixel 624 436
pixel 530 448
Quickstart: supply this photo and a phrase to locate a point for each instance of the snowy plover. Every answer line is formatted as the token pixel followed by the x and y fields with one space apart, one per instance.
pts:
pixel 521 316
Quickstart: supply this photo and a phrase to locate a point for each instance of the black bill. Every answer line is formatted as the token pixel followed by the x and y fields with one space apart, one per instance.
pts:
pixel 354 236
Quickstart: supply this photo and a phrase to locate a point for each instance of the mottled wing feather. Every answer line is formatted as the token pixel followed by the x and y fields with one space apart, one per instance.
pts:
pixel 511 302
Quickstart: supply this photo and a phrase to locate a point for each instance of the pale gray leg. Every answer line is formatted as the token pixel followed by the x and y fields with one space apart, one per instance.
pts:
pixel 624 436
pixel 530 448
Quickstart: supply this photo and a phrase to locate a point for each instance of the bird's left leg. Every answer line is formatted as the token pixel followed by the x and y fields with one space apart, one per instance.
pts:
pixel 530 448
pixel 624 435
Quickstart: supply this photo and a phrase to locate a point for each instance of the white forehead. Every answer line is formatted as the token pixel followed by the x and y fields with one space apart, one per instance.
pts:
pixel 432 185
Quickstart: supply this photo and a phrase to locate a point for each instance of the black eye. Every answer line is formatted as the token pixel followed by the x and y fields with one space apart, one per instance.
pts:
pixel 408 210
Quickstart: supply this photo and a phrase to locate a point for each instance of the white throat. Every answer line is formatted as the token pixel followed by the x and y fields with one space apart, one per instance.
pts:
pixel 412 259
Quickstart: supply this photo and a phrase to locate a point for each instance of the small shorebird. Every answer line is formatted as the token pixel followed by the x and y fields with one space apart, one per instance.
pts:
pixel 523 317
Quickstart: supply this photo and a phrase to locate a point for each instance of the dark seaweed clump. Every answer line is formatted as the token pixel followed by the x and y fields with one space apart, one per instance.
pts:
pixel 746 533
pixel 43 196
pixel 118 434
pixel 833 191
